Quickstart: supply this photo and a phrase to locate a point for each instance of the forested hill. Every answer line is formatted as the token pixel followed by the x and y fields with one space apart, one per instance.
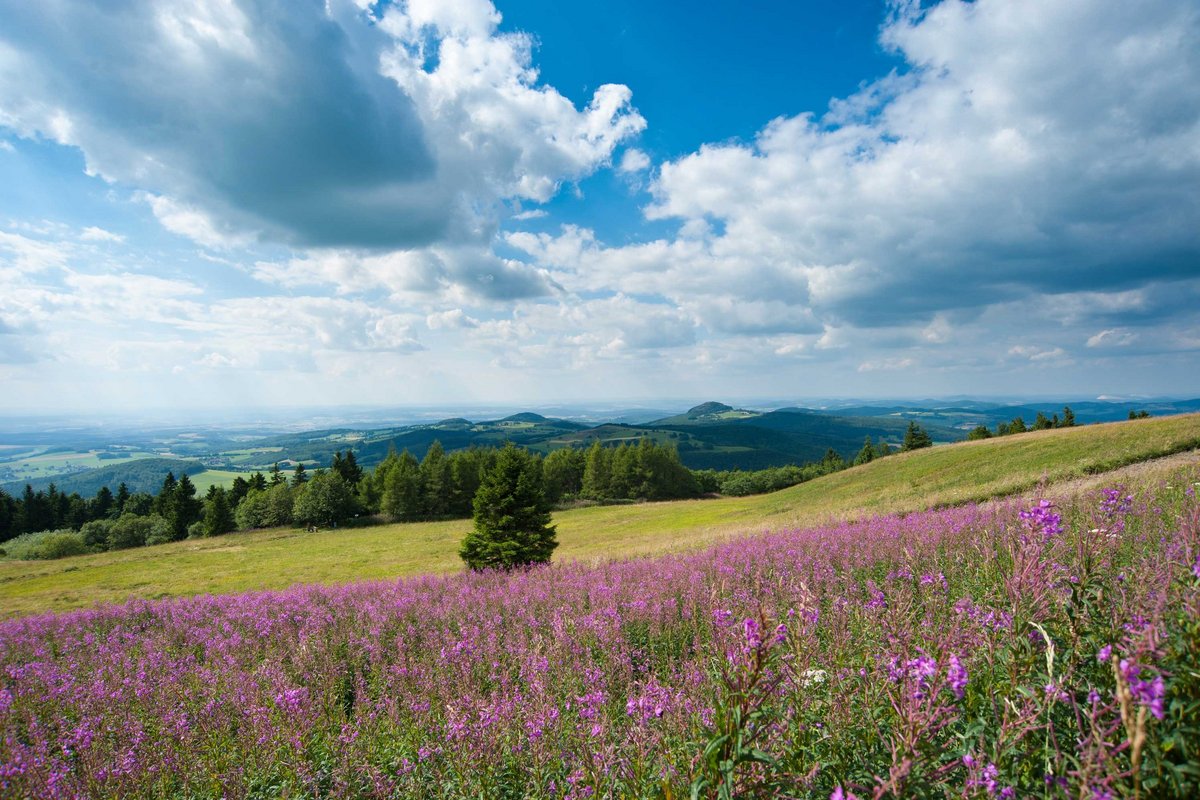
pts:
pixel 142 475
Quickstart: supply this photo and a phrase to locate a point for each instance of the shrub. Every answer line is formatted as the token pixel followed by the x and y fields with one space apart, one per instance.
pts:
pixel 46 545
pixel 133 531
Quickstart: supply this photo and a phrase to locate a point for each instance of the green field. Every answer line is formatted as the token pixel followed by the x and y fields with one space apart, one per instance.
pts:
pixel 45 462
pixel 947 475
pixel 214 477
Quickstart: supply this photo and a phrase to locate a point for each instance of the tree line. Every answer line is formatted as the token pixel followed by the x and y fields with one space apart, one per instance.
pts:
pixel 1017 425
pixel 439 486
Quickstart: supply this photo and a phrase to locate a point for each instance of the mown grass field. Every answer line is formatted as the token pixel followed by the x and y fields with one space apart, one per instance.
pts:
pixel 941 476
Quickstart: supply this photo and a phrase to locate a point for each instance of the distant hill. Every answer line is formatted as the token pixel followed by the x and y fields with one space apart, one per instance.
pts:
pixel 142 475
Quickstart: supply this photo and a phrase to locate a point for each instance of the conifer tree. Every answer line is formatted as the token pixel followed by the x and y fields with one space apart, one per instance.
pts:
pixel 402 497
pixel 866 455
pixel 299 476
pixel 218 517
pixel 512 515
pixel 915 438
pixel 435 482
pixel 979 432
pixel 1068 417
pixel 276 475
pixel 597 473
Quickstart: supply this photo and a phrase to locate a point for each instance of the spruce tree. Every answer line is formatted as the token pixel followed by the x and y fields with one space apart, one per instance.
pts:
pixel 218 517
pixel 512 515
pixel 866 455
pixel 299 477
pixel 1068 417
pixel 915 438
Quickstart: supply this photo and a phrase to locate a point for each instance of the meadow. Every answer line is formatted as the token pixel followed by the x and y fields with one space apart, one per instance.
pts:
pixel 275 559
pixel 1027 647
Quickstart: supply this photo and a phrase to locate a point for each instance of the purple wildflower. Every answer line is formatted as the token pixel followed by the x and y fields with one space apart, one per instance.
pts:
pixel 957 676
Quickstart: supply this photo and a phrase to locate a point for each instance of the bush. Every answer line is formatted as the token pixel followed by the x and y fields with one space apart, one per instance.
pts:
pixel 45 545
pixel 62 544
pixel 133 531
pixel 95 533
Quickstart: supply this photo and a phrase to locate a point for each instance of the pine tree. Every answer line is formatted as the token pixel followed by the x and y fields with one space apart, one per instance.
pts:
pixel 402 497
pixel 165 496
pixel 979 432
pixel 512 515
pixel 597 473
pixel 218 517
pixel 121 499
pixel 299 477
pixel 915 438
pixel 184 507
pixel 276 475
pixel 102 504
pixel 1068 417
pixel 435 482
pixel 866 455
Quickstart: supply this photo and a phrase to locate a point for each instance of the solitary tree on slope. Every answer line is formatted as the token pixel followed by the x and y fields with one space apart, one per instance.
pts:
pixel 512 515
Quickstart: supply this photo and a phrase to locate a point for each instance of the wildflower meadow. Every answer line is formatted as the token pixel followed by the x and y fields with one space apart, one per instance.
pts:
pixel 1040 648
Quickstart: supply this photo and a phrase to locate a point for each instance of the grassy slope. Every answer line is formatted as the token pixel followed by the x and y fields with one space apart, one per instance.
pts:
pixel 907 482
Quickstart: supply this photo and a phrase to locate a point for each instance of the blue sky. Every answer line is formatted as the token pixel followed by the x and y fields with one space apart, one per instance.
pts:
pixel 255 202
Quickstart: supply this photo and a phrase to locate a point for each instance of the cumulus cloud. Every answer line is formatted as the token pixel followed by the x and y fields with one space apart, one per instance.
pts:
pixel 993 171
pixel 313 123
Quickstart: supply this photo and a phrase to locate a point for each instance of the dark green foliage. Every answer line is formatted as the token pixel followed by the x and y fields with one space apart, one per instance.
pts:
pixel 435 482
pixel 326 500
pixel 1143 414
pixel 645 471
pixel 102 504
pixel 563 472
pixel 915 438
pixel 402 497
pixel 134 531
pixel 866 454
pixel 347 467
pixel 96 534
pixel 218 516
pixel 512 515
pixel 276 475
pixel 979 432
pixel 299 476
pixel 1041 423
pixel 120 500
pixel 8 516
pixel 178 505
pixel 238 490
pixel 1068 418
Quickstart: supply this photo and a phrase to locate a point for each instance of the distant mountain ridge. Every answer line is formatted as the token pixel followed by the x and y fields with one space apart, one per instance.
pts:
pixel 710 435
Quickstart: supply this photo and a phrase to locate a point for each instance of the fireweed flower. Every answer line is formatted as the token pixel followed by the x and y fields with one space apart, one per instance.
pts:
pixel 1104 654
pixel 956 675
pixel 1043 519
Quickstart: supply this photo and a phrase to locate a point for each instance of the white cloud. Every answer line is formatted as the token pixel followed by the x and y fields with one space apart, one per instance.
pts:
pixel 315 124
pixel 633 160
pixel 1112 338
pixel 889 364
pixel 95 234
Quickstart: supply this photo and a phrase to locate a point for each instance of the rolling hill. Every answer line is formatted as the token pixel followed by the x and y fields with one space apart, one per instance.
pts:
pixel 935 477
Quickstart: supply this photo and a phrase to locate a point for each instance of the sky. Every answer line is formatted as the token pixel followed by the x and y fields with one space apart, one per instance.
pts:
pixel 251 203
